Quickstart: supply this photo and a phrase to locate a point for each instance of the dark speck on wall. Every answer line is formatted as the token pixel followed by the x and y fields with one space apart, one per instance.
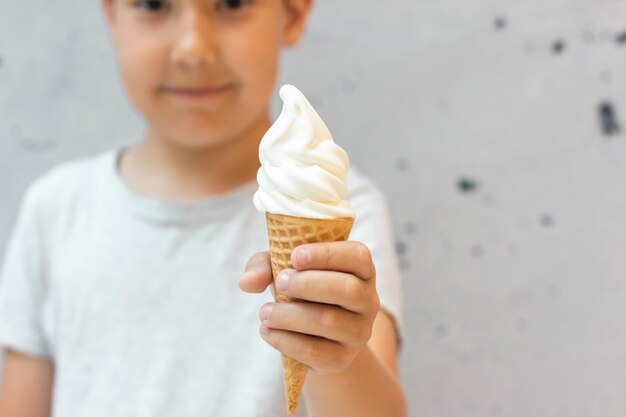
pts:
pixel 402 164
pixel 500 23
pixel 467 185
pixel 514 249
pixel 347 86
pixel 606 76
pixel 477 251
pixel 38 145
pixel 521 325
pixel 410 228
pixel 30 144
pixel 547 220
pixel 401 248
pixel 443 105
pixel 608 119
pixel 558 47
pixel 440 331
pixel 621 38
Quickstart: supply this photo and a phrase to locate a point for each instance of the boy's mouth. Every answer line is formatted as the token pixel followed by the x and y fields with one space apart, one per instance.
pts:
pixel 196 92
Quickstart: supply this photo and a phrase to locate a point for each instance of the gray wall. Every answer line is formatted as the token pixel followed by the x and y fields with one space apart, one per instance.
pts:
pixel 497 129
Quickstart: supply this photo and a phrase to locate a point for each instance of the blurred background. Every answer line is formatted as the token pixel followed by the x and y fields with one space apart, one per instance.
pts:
pixel 497 129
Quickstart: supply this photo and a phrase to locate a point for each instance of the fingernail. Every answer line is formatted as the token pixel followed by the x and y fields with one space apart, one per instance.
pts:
pixel 303 255
pixel 265 330
pixel 266 311
pixel 283 281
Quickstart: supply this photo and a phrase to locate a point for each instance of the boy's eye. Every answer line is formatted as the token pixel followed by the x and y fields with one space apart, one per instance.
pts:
pixel 231 4
pixel 151 5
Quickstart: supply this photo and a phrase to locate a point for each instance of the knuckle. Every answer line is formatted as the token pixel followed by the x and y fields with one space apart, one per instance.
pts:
pixel 305 283
pixel 301 284
pixel 327 255
pixel 337 359
pixel 374 309
pixel 347 356
pixel 329 319
pixel 311 351
pixel 331 364
pixel 376 303
pixel 360 333
pixel 354 289
pixel 340 359
pixel 279 341
pixel 365 334
pixel 363 253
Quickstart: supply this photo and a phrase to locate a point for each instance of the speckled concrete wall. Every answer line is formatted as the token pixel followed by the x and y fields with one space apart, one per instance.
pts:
pixel 497 129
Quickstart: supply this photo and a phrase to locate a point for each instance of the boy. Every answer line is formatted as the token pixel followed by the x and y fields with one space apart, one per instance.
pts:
pixel 118 293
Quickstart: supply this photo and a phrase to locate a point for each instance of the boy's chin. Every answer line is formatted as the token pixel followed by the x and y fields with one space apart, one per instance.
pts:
pixel 202 134
pixel 204 142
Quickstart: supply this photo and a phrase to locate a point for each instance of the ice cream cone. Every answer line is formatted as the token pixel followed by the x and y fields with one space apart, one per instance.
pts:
pixel 285 234
pixel 302 175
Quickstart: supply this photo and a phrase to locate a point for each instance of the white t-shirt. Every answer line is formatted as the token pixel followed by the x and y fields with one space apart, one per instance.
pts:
pixel 137 300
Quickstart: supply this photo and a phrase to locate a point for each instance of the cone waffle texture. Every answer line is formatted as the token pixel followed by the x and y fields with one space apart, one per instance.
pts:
pixel 285 234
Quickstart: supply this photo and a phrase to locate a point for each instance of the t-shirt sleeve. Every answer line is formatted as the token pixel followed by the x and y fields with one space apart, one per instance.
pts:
pixel 373 227
pixel 22 283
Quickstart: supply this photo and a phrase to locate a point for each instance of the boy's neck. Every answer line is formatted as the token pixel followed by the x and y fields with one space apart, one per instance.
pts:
pixel 159 169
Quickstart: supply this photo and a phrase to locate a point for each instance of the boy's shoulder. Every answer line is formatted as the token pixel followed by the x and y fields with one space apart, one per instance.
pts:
pixel 66 183
pixel 361 187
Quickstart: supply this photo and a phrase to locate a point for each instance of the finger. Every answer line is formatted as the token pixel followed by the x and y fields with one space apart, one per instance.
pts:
pixel 350 257
pixel 258 273
pixel 330 322
pixel 259 261
pixel 320 354
pixel 328 287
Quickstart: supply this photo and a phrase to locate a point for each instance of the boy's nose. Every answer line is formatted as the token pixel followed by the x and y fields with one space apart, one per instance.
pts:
pixel 195 44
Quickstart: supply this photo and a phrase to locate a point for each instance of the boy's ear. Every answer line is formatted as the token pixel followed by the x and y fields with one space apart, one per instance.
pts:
pixel 107 9
pixel 297 15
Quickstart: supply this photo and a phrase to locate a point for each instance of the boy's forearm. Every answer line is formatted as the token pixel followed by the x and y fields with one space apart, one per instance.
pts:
pixel 365 389
pixel 25 386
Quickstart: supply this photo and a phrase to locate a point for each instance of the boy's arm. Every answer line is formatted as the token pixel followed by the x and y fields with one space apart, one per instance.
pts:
pixel 369 387
pixel 26 386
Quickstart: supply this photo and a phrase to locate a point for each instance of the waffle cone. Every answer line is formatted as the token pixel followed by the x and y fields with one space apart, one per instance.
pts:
pixel 285 234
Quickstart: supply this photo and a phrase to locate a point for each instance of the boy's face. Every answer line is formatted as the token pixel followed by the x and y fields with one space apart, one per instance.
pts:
pixel 202 71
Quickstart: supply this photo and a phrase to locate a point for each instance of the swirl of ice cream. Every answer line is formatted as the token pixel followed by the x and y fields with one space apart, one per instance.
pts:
pixel 303 170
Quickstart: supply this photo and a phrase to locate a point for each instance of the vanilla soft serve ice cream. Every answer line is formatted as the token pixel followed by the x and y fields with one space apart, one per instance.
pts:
pixel 303 169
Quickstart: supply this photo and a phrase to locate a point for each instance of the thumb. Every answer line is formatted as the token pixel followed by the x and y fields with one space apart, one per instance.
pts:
pixel 258 273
